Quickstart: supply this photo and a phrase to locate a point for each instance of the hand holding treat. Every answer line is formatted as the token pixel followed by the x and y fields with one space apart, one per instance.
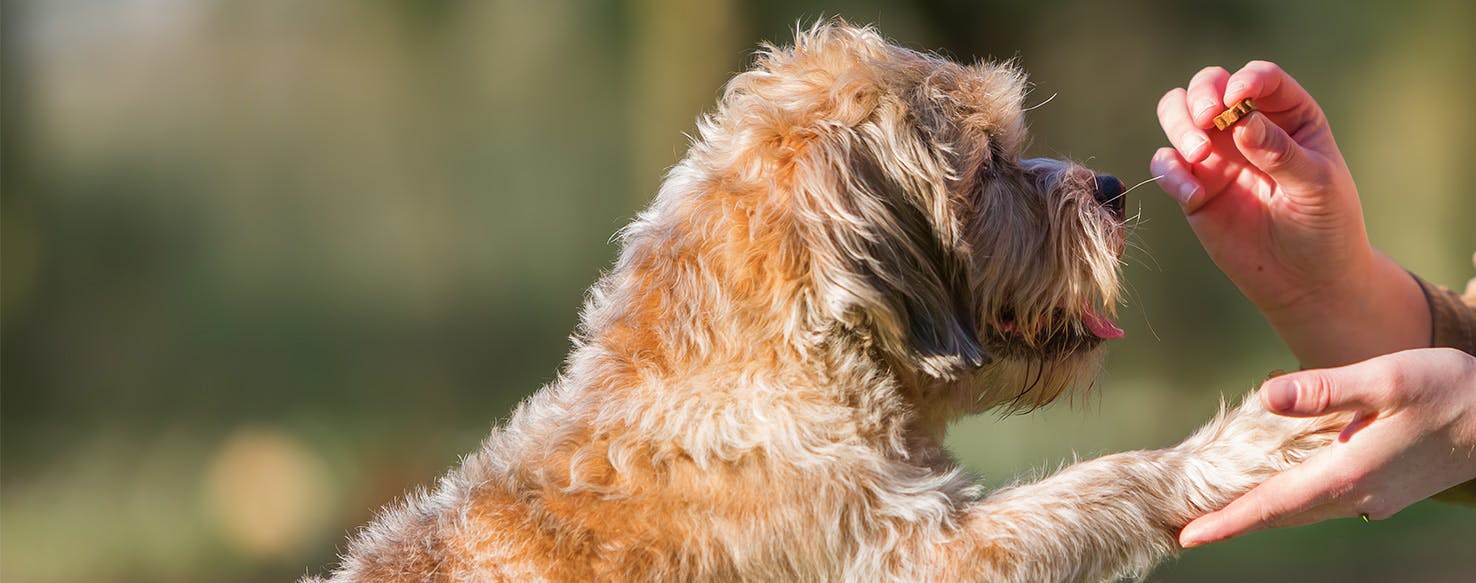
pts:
pixel 1277 210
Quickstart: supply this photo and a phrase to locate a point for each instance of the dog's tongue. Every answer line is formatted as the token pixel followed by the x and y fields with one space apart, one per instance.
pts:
pixel 1102 327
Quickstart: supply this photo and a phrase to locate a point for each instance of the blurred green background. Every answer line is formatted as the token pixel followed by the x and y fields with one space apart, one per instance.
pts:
pixel 267 264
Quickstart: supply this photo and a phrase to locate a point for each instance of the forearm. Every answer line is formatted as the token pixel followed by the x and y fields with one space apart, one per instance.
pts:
pixel 1378 309
pixel 1099 520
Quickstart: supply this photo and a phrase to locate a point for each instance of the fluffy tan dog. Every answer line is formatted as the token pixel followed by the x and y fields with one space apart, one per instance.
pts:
pixel 853 255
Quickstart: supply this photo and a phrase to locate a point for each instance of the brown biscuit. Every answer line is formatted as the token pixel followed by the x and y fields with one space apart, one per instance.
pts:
pixel 1232 115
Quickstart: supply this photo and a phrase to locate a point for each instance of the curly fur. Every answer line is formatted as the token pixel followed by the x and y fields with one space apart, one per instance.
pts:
pixel 852 255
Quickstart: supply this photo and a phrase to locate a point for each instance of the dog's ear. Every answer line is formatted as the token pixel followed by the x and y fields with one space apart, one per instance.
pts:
pixel 887 254
pixel 867 178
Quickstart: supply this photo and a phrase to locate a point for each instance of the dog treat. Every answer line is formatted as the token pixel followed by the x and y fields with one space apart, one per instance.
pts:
pixel 1232 115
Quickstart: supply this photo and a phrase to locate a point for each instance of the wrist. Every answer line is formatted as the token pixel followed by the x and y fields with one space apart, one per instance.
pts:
pixel 1377 308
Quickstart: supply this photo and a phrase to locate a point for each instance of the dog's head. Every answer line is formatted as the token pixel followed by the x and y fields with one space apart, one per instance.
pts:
pixel 922 235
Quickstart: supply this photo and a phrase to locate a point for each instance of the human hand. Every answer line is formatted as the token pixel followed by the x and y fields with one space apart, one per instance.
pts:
pixel 1413 436
pixel 1277 210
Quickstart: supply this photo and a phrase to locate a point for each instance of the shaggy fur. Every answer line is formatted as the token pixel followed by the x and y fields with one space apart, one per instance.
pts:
pixel 853 255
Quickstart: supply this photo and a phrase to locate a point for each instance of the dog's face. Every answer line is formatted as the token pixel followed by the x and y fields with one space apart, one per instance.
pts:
pixel 926 236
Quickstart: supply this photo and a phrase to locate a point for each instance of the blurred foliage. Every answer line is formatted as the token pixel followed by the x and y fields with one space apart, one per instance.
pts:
pixel 268 264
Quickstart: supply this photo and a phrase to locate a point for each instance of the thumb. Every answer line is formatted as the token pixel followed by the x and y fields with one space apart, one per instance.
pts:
pixel 1312 393
pixel 1269 148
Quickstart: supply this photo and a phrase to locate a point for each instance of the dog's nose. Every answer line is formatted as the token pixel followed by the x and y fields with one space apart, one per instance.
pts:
pixel 1110 194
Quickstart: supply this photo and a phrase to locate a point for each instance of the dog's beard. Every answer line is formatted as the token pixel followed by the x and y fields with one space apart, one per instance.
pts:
pixel 1023 381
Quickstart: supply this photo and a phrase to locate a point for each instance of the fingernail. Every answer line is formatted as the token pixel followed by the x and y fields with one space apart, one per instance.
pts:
pixel 1255 130
pixel 1281 396
pixel 1202 106
pixel 1193 143
pixel 1192 536
pixel 1234 88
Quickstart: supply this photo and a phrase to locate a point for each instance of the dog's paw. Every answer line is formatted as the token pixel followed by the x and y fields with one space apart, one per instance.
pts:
pixel 1246 445
pixel 1286 440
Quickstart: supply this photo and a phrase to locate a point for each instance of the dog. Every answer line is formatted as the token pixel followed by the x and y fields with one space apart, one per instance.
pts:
pixel 852 255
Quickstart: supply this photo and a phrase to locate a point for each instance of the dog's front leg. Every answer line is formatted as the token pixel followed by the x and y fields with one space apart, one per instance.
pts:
pixel 1117 516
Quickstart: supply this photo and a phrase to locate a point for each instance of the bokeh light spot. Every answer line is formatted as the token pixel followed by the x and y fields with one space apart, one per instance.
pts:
pixel 267 492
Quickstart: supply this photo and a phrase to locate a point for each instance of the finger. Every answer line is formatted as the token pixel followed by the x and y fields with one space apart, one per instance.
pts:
pixel 1206 95
pixel 1173 115
pixel 1268 147
pixel 1175 178
pixel 1292 492
pixel 1273 90
pixel 1364 386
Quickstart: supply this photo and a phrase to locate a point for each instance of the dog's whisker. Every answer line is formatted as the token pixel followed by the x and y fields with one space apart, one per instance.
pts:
pixel 1149 323
pixel 1131 224
pixel 1135 223
pixel 1041 104
pixel 1148 264
pixel 1130 291
pixel 1134 242
pixel 1135 186
pixel 1150 259
pixel 1134 261
pixel 1145 264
